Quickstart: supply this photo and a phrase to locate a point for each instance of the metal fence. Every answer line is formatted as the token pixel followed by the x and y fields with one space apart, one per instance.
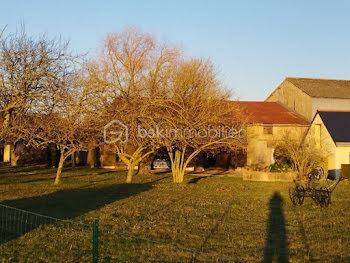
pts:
pixel 30 237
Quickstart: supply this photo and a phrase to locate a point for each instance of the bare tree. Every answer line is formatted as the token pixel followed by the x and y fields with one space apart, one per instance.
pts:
pixel 131 69
pixel 32 72
pixel 145 85
pixel 303 154
pixel 68 127
pixel 195 114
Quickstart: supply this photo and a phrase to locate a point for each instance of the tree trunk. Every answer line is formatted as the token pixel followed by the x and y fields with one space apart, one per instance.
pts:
pixel 8 147
pixel 73 159
pixel 92 157
pixel 145 165
pixel 14 156
pixel 178 175
pixel 59 169
pixel 131 172
pixel 178 166
pixel 52 158
pixel 132 160
pixel 7 153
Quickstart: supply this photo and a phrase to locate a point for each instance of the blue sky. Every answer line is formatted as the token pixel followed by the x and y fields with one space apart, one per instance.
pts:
pixel 255 44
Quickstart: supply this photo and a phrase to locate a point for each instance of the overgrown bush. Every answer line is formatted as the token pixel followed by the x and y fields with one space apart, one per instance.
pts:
pixel 302 156
pixel 282 162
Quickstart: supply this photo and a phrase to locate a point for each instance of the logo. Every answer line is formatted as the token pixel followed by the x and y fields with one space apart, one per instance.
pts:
pixel 115 131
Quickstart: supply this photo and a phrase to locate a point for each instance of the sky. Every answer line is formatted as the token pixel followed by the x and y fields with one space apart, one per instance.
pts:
pixel 255 44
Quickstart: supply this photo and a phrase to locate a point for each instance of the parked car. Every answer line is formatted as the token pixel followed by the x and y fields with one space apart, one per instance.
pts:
pixel 161 164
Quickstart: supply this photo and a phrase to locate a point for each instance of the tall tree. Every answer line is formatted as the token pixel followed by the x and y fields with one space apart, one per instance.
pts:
pixel 32 72
pixel 195 114
pixel 131 69
pixel 69 127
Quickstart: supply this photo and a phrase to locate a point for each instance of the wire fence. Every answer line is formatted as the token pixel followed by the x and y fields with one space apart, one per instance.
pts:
pixel 30 237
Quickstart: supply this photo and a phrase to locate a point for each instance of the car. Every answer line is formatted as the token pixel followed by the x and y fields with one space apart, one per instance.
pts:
pixel 161 164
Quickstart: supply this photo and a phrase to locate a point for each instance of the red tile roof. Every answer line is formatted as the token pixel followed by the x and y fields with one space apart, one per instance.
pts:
pixel 268 113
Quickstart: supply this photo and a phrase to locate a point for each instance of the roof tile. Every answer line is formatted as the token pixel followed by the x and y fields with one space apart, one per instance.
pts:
pixel 268 113
pixel 323 88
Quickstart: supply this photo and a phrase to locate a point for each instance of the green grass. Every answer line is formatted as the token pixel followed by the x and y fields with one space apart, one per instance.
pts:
pixel 223 216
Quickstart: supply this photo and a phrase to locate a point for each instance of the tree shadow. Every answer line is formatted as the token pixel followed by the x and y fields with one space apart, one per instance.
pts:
pixel 214 228
pixel 196 179
pixel 24 170
pixel 64 204
pixel 46 174
pixel 304 237
pixel 276 248
pixel 64 176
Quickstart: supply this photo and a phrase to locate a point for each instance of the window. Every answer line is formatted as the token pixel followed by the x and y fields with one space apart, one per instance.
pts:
pixel 268 130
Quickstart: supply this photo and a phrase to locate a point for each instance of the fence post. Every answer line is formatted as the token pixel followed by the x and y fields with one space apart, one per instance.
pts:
pixel 95 241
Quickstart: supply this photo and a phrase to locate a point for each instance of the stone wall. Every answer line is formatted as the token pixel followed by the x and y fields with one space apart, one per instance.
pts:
pixel 268 177
pixel 261 145
pixel 329 104
pixel 293 98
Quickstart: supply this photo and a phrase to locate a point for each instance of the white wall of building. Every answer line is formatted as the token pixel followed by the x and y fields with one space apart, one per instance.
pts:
pixel 329 104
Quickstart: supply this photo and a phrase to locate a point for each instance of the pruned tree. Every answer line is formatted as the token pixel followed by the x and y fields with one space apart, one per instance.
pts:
pixel 131 70
pixel 195 115
pixel 32 71
pixel 132 148
pixel 68 127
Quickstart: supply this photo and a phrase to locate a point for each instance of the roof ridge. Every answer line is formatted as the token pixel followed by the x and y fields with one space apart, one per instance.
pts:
pixel 316 79
pixel 325 110
pixel 253 101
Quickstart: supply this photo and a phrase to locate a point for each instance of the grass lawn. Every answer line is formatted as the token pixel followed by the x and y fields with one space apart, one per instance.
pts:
pixel 223 217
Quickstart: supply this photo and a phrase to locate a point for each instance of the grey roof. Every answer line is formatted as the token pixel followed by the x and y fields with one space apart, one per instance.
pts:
pixel 323 88
pixel 337 124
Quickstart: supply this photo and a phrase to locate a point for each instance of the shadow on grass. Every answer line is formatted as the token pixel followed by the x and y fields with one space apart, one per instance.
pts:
pixel 64 204
pixel 196 179
pixel 22 169
pixel 215 228
pixel 303 236
pixel 20 176
pixel 64 176
pixel 276 248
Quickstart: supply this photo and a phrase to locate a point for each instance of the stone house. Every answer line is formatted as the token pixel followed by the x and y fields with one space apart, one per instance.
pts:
pixel 267 124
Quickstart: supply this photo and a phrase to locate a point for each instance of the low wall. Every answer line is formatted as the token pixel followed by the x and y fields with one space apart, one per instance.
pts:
pixel 345 171
pixel 268 177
